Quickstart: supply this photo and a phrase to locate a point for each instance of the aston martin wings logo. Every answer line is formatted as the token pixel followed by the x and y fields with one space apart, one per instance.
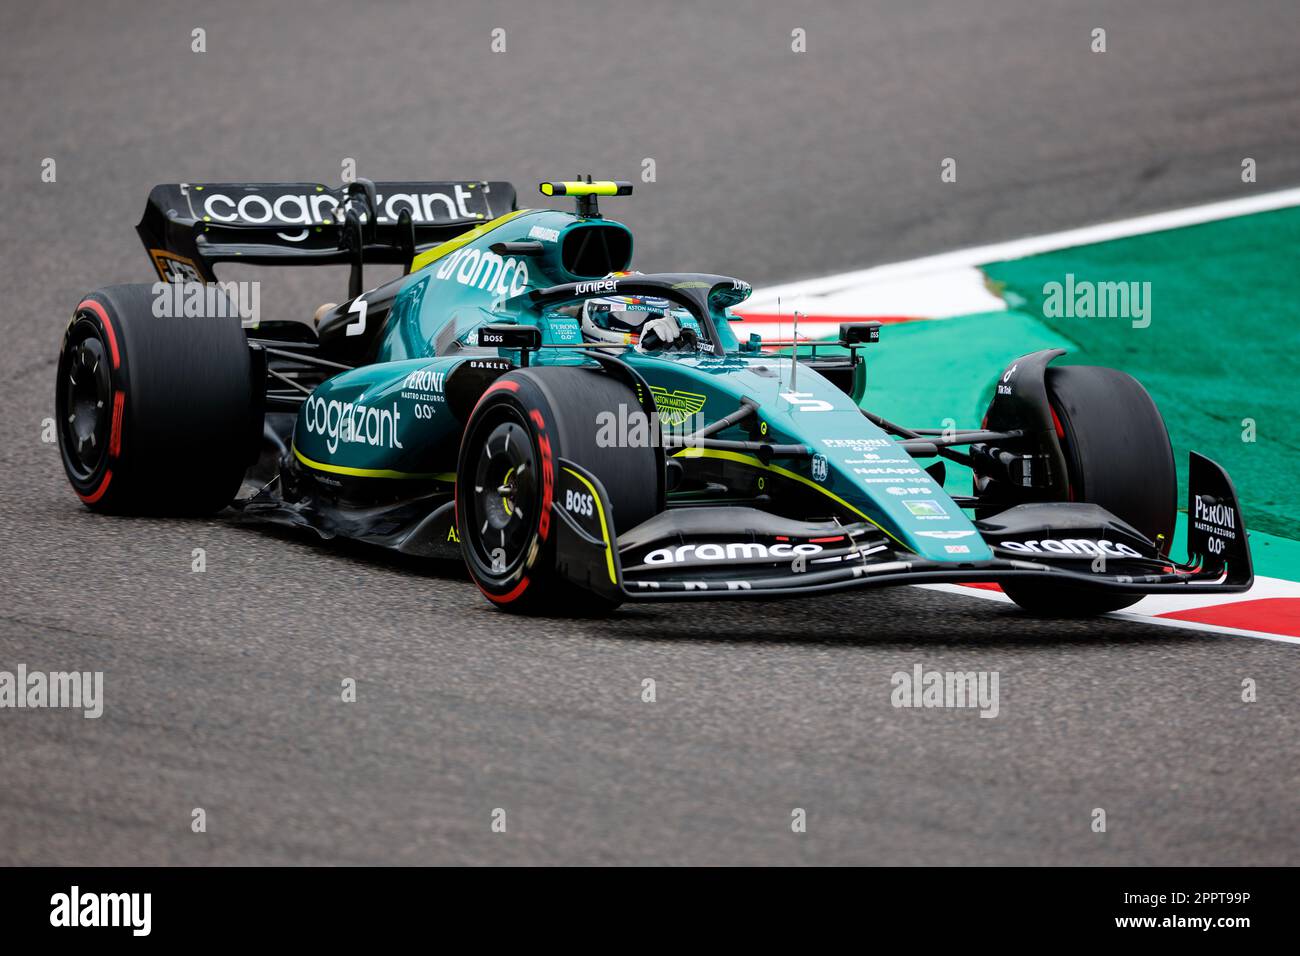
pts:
pixel 677 406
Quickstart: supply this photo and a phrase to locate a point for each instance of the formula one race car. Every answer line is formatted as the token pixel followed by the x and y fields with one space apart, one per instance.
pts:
pixel 583 435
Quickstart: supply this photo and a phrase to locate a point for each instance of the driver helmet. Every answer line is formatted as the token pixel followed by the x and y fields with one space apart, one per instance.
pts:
pixel 619 318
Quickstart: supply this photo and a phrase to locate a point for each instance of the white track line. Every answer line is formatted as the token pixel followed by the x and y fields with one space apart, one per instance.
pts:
pixel 986 595
pixel 960 263
pixel 1198 626
pixel 1264 587
pixel 932 295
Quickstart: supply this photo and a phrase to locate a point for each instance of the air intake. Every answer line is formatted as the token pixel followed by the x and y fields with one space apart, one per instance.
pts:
pixel 592 250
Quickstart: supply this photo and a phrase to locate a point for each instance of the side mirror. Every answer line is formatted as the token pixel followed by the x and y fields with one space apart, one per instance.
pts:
pixel 859 333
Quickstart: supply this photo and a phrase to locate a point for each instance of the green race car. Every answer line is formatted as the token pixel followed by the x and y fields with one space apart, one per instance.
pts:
pixel 584 435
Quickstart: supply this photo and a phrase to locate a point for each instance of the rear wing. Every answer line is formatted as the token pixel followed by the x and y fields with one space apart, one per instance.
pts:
pixel 189 227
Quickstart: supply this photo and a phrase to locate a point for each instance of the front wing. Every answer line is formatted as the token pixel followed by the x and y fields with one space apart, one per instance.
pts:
pixel 743 552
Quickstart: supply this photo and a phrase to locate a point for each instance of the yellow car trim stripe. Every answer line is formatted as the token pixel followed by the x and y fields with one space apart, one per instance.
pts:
pixel 451 245
pixel 448 476
pixel 604 528
pixel 784 473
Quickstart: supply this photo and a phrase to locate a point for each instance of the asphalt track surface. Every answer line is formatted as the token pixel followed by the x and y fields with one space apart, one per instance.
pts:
pixel 223 688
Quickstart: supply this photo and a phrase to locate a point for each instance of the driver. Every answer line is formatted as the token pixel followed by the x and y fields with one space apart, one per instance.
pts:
pixel 643 321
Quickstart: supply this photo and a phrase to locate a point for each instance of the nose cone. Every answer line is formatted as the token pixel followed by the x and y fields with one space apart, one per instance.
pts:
pixel 890 488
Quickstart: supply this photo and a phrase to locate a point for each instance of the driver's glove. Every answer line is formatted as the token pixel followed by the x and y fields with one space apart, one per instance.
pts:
pixel 659 333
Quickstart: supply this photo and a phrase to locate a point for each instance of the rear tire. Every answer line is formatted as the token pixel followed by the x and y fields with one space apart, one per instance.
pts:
pixel 1118 456
pixel 154 414
pixel 522 425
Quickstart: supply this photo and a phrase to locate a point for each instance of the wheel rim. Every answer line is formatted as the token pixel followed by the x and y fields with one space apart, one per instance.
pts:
pixel 502 504
pixel 85 405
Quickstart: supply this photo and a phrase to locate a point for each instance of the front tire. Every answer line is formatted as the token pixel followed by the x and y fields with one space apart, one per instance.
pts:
pixel 1118 456
pixel 154 415
pixel 505 480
